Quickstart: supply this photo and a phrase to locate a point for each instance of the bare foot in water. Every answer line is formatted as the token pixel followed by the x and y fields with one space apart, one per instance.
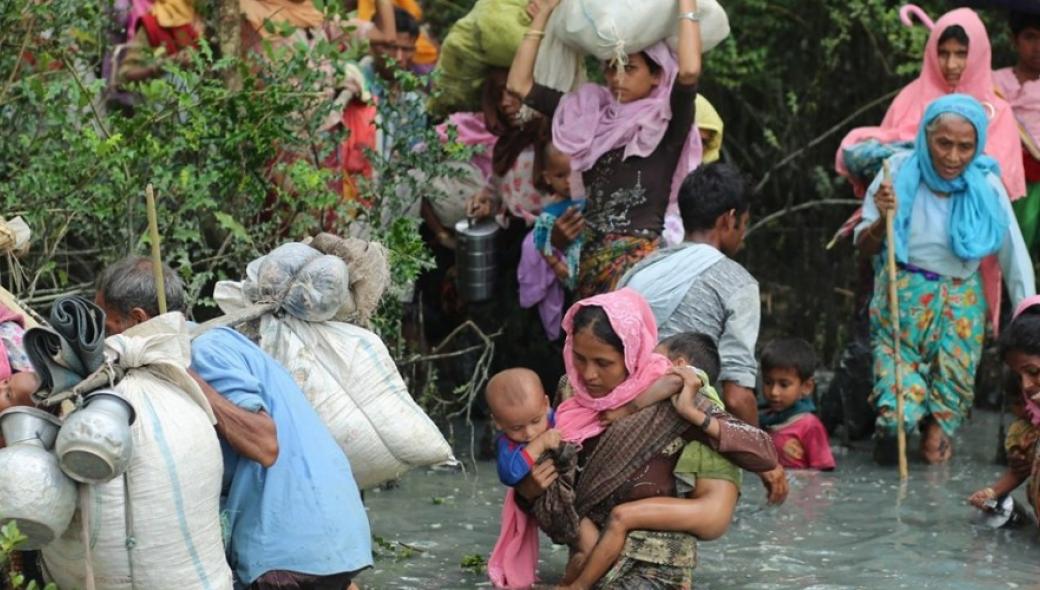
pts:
pixel 935 445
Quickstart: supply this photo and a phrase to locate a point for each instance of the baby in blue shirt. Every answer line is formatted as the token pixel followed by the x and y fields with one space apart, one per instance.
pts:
pixel 520 409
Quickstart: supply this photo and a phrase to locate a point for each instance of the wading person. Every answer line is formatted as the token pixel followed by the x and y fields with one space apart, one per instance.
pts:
pixel 295 518
pixel 950 211
pixel 1020 347
pixel 696 287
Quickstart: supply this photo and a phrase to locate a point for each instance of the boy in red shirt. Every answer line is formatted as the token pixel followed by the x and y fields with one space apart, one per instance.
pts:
pixel 788 366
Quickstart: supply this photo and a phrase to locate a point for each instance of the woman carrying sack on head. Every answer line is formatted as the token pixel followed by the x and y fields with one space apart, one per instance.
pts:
pixel 630 140
pixel 951 211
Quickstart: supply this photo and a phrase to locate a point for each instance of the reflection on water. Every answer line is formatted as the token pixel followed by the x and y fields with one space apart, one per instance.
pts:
pixel 853 528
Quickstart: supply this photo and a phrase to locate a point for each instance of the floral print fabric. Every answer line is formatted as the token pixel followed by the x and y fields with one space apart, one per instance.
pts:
pixel 942 324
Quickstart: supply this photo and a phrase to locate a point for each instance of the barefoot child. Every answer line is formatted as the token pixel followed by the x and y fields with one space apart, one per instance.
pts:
pixel 544 271
pixel 1020 348
pixel 788 366
pixel 710 482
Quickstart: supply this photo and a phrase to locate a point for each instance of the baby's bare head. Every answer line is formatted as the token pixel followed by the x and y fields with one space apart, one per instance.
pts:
pixel 518 403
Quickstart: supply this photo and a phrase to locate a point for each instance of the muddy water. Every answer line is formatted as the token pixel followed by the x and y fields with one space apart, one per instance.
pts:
pixel 853 528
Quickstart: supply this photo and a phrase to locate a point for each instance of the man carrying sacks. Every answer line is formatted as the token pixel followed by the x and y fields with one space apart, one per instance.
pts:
pixel 294 511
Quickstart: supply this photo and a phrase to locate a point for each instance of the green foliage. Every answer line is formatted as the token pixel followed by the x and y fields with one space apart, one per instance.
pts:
pixel 10 539
pixel 474 563
pixel 236 169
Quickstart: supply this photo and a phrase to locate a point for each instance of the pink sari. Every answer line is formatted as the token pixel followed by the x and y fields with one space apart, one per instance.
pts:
pixel 514 559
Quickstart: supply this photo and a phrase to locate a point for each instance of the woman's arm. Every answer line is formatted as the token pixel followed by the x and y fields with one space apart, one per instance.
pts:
pixel 521 73
pixel 746 446
pixel 870 234
pixel 387 24
pixel 689 46
pixel 1013 255
pixel 1003 486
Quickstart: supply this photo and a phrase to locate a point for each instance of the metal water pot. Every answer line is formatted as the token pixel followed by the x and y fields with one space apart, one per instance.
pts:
pixel 476 259
pixel 95 445
pixel 34 493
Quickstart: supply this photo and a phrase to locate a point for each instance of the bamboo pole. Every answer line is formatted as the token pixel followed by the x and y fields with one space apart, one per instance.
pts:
pixel 893 303
pixel 153 237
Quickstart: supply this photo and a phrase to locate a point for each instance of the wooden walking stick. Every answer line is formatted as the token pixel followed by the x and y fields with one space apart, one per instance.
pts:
pixel 153 237
pixel 893 306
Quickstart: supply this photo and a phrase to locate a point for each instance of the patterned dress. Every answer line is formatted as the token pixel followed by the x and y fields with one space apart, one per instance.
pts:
pixel 942 325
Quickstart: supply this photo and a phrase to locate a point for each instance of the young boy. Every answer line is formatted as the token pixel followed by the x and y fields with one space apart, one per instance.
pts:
pixel 1020 86
pixel 788 366
pixel 712 483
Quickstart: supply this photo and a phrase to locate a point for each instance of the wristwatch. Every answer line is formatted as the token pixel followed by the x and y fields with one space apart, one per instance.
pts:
pixel 706 422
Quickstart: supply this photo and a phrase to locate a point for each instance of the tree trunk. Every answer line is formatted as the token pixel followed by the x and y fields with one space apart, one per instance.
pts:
pixel 230 38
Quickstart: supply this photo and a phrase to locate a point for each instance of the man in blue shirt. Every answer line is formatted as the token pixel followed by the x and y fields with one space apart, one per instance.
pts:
pixel 295 515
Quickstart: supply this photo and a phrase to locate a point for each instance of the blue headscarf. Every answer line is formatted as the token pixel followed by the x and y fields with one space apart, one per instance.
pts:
pixel 978 222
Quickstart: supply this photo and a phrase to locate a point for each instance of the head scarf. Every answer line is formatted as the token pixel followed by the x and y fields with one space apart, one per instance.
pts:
pixel 708 118
pixel 633 322
pixel 512 139
pixel 978 223
pixel 903 118
pixel 590 122
pixel 1032 408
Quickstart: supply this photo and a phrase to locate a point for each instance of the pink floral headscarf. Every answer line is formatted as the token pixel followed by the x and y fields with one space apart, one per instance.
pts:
pixel 633 322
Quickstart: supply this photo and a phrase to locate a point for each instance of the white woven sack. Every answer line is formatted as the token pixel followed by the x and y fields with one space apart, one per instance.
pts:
pixel 347 374
pixel 612 29
pixel 174 480
pixel 454 192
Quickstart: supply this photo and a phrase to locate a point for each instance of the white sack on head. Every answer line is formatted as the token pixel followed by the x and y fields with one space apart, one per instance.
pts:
pixel 173 482
pixel 612 29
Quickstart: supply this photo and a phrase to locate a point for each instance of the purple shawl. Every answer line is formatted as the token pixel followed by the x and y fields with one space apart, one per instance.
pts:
pixel 590 122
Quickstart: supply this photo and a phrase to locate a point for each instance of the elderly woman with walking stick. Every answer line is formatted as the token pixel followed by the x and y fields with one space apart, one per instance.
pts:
pixel 950 210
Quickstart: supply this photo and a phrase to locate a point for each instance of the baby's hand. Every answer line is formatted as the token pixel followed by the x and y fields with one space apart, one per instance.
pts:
pixel 979 498
pixel 611 416
pixel 550 439
pixel 689 377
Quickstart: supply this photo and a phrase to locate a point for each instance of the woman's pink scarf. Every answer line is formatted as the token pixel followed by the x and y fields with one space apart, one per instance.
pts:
pixel 589 122
pixel 514 559
pixel 904 114
pixel 1032 408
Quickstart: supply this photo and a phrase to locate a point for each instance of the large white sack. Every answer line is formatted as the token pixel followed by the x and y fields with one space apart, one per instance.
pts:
pixel 612 29
pixel 352 382
pixel 173 481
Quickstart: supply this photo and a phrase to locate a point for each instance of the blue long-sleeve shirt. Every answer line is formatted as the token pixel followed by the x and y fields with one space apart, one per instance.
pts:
pixel 514 462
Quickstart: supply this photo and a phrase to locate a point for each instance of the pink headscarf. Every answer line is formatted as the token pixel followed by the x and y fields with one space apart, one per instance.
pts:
pixel 904 114
pixel 1032 408
pixel 515 557
pixel 633 322
pixel 589 122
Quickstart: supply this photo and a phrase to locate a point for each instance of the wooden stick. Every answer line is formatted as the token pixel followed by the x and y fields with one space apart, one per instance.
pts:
pixel 893 304
pixel 153 237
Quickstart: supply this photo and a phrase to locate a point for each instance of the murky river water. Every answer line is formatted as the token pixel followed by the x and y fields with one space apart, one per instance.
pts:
pixel 852 528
